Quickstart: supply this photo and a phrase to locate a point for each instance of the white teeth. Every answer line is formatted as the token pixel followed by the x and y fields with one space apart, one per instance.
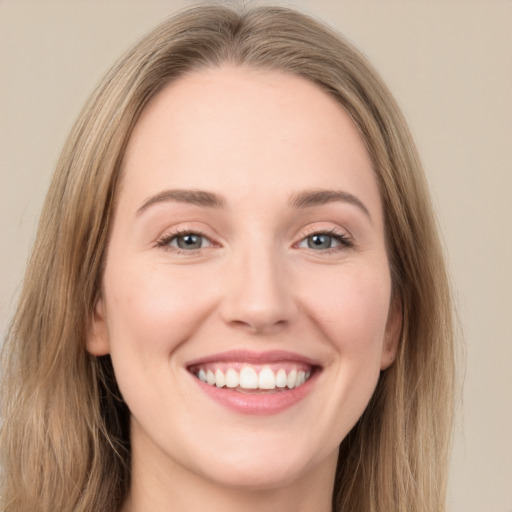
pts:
pixel 232 378
pixel 281 379
pixel 210 377
pixel 220 380
pixel 266 379
pixel 291 380
pixel 248 378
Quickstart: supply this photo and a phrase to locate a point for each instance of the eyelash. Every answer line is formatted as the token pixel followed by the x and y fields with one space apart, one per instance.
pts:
pixel 165 240
pixel 341 238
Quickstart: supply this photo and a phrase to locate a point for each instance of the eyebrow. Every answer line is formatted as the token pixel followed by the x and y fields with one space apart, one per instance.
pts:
pixel 308 198
pixel 195 197
pixel 298 200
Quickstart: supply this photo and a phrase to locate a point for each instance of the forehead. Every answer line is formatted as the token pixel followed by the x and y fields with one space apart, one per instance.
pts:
pixel 242 130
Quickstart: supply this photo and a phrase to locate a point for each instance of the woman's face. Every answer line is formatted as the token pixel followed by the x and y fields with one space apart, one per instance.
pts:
pixel 248 250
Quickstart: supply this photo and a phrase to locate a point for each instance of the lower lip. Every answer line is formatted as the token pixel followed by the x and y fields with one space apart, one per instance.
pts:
pixel 258 403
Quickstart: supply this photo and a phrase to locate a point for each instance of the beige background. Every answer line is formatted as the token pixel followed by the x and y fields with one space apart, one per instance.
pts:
pixel 450 65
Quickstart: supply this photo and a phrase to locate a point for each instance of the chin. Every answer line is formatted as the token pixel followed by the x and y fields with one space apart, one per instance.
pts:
pixel 257 476
pixel 264 469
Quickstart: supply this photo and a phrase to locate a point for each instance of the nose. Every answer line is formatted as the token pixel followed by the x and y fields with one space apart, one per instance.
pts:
pixel 259 295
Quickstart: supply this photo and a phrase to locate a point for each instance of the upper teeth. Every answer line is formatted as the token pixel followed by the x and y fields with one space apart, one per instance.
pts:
pixel 248 378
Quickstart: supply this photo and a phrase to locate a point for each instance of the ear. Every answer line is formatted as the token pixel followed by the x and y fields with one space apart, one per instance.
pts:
pixel 97 343
pixel 392 334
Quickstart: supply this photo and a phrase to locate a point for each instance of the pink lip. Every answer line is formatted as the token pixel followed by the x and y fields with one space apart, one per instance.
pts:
pixel 250 357
pixel 256 403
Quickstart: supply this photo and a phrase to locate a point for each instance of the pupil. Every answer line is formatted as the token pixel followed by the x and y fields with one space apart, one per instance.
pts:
pixel 189 241
pixel 319 242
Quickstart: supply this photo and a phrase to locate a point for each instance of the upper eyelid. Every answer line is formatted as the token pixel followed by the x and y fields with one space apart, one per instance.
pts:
pixel 187 228
pixel 175 234
pixel 319 230
pixel 343 239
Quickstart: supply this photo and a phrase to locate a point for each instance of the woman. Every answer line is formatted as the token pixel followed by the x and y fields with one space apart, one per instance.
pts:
pixel 237 297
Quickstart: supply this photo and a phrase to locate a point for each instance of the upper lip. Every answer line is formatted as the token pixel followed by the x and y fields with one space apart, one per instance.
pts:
pixel 253 357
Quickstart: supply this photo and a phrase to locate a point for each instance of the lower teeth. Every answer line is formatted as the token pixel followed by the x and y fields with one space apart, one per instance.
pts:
pixel 258 391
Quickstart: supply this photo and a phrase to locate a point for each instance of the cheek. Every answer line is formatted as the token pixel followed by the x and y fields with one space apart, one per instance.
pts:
pixel 150 311
pixel 150 314
pixel 350 306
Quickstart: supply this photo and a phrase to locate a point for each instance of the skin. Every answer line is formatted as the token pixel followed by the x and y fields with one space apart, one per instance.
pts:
pixel 255 138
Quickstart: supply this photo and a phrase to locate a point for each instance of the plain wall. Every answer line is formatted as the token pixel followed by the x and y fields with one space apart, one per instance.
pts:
pixel 449 64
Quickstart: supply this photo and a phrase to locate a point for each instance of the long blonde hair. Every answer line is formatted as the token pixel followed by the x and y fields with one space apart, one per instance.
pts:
pixel 65 442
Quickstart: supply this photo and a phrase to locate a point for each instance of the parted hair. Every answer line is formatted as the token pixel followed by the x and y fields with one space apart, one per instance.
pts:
pixel 64 444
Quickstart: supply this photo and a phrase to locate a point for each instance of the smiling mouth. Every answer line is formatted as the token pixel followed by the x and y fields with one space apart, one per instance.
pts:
pixel 248 372
pixel 246 378
pixel 257 383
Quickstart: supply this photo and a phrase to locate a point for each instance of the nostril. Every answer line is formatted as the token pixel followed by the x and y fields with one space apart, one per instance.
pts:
pixel 259 325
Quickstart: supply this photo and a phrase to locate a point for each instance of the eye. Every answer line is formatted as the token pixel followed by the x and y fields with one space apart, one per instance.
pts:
pixel 325 241
pixel 186 241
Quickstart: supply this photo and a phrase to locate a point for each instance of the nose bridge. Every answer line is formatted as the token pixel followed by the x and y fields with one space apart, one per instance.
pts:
pixel 259 296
